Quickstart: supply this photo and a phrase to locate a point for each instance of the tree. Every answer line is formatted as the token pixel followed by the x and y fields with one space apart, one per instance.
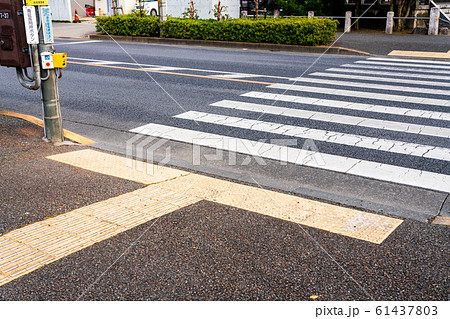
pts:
pixel 402 8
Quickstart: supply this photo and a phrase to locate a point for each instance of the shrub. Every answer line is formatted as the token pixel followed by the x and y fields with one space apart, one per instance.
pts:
pixel 129 25
pixel 299 31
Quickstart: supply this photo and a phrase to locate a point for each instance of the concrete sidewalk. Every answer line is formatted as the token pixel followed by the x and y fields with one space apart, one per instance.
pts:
pixel 70 213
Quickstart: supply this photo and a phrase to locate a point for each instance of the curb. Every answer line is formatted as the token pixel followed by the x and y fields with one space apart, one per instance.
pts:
pixel 34 120
pixel 233 45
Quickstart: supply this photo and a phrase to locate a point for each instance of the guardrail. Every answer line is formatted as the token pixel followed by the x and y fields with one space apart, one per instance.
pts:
pixel 433 25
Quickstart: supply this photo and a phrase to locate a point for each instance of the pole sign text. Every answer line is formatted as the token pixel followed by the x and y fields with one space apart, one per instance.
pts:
pixel 47 28
pixel 5 15
pixel 31 28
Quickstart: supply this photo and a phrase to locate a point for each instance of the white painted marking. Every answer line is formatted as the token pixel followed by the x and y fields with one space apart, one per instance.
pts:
pixel 377 67
pixel 411 60
pixel 164 68
pixel 152 67
pixel 105 62
pixel 406 64
pixel 384 172
pixel 78 42
pixel 351 106
pixel 373 143
pixel 337 118
pixel 377 79
pixel 362 94
pixel 237 75
pixel 396 74
pixel 374 86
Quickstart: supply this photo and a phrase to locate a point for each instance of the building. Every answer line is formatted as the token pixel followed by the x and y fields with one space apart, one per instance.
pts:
pixel 64 10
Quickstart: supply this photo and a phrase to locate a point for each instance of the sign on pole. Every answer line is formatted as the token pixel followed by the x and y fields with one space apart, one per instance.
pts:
pixel 31 28
pixel 37 2
pixel 47 28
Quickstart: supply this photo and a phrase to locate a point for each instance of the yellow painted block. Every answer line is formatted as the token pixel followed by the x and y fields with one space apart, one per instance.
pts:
pixel 60 60
pixel 37 2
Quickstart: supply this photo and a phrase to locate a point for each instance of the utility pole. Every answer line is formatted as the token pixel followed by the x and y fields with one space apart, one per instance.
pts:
pixel 49 86
pixel 26 35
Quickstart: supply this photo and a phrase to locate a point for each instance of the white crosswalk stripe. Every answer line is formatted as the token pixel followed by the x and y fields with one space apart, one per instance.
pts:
pixel 361 94
pixel 380 171
pixel 377 79
pixel 393 68
pixel 379 144
pixel 409 104
pixel 375 86
pixel 336 118
pixel 394 74
pixel 404 111
pixel 415 65
pixel 410 61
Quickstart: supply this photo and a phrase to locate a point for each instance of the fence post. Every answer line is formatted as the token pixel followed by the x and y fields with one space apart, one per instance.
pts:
pixel 390 22
pixel 310 14
pixel 348 21
pixel 433 29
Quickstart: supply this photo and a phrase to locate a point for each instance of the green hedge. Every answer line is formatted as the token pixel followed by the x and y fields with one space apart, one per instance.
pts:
pixel 129 25
pixel 300 31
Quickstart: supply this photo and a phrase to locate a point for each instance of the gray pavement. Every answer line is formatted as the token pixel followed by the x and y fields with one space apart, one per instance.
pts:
pixel 205 251
pixel 74 30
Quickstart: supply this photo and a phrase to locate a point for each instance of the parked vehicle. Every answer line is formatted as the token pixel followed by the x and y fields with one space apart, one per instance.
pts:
pixel 149 6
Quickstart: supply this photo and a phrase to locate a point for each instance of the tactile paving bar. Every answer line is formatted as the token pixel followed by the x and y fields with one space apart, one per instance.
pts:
pixel 345 221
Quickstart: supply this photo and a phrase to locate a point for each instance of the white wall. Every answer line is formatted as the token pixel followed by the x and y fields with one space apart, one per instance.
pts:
pixel 61 10
pixel 127 6
pixel 175 8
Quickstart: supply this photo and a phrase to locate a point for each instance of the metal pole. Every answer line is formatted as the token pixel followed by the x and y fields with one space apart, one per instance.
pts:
pixel 50 96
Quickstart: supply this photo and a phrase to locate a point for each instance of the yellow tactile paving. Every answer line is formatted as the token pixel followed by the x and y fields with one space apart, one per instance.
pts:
pixel 174 185
pixel 349 222
pixel 118 166
pixel 31 247
pixel 67 134
pixel 442 220
pixel 421 54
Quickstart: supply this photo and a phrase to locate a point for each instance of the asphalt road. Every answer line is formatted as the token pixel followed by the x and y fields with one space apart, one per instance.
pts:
pixel 105 94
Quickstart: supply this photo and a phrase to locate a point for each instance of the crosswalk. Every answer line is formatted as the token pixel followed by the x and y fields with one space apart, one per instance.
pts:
pixel 341 119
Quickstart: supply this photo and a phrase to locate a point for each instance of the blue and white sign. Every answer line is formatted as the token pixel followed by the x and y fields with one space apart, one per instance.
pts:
pixel 47 27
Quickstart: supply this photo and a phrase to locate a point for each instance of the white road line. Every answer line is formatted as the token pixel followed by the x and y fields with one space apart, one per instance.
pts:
pixel 152 67
pixel 384 172
pixel 391 68
pixel 351 106
pixel 105 62
pixel 395 74
pixel 405 64
pixel 377 79
pixel 411 60
pixel 164 68
pixel 378 144
pixel 374 86
pixel 337 118
pixel 237 76
pixel 362 94
pixel 78 42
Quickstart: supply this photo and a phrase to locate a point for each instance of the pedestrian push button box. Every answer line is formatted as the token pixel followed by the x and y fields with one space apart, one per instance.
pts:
pixel 47 60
